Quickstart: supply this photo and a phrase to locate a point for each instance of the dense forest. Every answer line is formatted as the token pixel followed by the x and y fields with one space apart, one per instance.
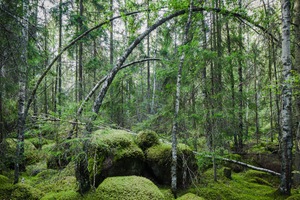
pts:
pixel 143 99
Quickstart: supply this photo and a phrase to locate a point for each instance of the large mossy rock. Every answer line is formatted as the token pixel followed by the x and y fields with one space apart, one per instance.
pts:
pixel 114 153
pixel 128 188
pixel 159 159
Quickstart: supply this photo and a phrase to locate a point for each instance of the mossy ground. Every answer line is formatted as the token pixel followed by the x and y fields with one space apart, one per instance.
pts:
pixel 39 182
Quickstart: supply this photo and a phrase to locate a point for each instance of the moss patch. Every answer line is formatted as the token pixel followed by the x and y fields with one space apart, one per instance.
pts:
pixel 128 188
pixel 6 187
pixel 24 191
pixel 242 186
pixel 190 196
pixel 63 195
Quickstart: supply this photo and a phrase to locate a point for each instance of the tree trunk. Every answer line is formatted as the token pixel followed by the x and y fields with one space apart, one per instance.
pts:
pixel 176 112
pixel 80 54
pixel 241 101
pixel 287 137
pixel 19 163
pixel 59 60
pixel 297 98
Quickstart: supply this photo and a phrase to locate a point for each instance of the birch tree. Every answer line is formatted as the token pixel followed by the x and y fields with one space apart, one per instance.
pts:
pixel 176 112
pixel 287 137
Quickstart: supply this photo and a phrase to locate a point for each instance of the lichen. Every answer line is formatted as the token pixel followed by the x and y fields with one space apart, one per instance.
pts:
pixel 128 188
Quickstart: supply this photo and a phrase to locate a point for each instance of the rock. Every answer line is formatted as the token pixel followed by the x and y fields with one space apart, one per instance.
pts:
pixel 128 188
pixel 227 173
pixel 114 153
pixel 158 159
pixel 146 139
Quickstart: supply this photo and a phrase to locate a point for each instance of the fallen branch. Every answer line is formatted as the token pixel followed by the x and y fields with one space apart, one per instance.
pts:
pixel 242 164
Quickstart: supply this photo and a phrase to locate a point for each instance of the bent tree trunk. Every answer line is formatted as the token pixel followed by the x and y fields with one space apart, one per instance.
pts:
pixel 287 138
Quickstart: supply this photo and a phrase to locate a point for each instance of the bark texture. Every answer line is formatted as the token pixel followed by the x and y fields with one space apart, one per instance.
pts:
pixel 297 99
pixel 287 137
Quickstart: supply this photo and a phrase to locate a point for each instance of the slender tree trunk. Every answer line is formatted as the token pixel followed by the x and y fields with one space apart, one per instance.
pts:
pixel 241 83
pixel 148 63
pixel 111 62
pixel 80 54
pixel 59 59
pixel 235 139
pixel 177 103
pixel 287 137
pixel 257 134
pixel 297 98
pixel 19 163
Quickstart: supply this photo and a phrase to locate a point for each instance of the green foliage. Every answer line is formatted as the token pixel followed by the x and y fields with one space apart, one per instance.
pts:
pixel 146 139
pixel 128 188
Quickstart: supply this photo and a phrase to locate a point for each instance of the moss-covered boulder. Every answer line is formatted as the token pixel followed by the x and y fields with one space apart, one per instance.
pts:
pixel 24 191
pixel 146 139
pixel 114 153
pixel 159 159
pixel 128 188
pixel 190 196
pixel 6 187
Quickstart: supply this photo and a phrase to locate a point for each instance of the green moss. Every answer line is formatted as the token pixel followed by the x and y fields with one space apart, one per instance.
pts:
pixel 159 159
pixel 6 187
pixel 190 196
pixel 146 139
pixel 242 186
pixel 30 152
pixel 24 191
pixel 114 153
pixel 294 197
pixel 63 195
pixel 128 188
pixel 167 193
pixel 262 177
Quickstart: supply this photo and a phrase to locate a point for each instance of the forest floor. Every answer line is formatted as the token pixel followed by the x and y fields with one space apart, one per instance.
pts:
pixel 40 182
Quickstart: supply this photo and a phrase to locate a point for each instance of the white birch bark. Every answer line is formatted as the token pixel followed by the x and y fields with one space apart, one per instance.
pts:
pixel 287 138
